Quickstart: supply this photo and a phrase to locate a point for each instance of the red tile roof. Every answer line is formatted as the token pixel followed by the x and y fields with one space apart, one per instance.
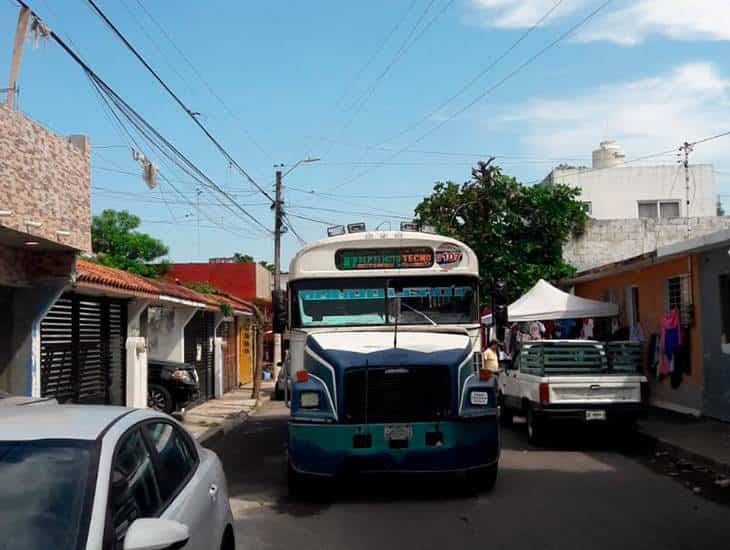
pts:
pixel 101 277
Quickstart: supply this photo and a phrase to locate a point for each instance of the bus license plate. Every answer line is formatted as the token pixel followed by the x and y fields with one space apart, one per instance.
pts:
pixel 398 433
pixel 595 415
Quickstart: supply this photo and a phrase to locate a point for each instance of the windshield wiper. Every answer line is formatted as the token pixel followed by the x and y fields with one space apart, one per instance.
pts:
pixel 414 310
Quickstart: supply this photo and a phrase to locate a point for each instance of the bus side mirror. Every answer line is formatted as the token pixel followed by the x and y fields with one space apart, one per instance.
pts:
pixel 280 320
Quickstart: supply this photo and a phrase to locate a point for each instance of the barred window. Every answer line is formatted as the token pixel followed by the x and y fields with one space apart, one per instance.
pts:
pixel 677 294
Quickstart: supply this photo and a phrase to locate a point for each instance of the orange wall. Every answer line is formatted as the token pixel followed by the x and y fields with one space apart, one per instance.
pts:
pixel 650 281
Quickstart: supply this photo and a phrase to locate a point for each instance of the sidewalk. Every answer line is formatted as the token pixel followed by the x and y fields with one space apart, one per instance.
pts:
pixel 699 439
pixel 220 415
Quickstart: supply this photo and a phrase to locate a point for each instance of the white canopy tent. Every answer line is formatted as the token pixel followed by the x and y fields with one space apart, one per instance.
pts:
pixel 544 302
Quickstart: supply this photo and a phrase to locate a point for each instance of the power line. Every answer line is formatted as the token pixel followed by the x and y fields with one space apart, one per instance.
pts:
pixel 488 91
pixel 193 116
pixel 314 220
pixel 340 211
pixel 359 104
pixel 704 140
pixel 375 53
pixel 202 79
pixel 478 76
pixel 151 134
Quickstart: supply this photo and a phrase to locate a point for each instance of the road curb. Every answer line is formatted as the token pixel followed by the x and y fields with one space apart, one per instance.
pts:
pixel 663 445
pixel 229 424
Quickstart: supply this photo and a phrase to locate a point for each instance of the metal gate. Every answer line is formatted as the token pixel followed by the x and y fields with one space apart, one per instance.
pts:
pixel 83 357
pixel 227 331
pixel 199 333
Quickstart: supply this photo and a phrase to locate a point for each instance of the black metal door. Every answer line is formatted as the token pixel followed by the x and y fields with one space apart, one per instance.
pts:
pixel 199 333
pixel 83 358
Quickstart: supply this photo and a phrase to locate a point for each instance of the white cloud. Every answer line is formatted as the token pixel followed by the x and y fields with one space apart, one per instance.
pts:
pixel 628 23
pixel 646 116
pixel 516 14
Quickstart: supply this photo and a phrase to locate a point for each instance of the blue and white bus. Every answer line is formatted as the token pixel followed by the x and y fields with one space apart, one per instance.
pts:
pixel 385 359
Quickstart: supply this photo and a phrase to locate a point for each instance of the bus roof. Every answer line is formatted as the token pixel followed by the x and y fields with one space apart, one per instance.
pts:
pixel 317 259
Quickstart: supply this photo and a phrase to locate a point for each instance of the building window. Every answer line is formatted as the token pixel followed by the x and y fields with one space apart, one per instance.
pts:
pixel 677 294
pixel 658 209
pixel 725 312
pixel 588 207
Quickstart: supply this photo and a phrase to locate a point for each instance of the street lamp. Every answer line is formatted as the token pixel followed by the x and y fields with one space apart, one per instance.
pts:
pixel 277 296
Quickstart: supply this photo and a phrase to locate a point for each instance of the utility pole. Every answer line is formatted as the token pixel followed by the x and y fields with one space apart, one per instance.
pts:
pixel 277 266
pixel 20 31
pixel 686 148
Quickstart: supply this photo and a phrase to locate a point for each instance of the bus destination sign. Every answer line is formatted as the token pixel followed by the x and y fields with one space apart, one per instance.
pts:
pixel 384 258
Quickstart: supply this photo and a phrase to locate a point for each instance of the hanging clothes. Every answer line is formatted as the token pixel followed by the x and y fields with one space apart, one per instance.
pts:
pixel 637 333
pixel 654 353
pixel 670 340
pixel 681 365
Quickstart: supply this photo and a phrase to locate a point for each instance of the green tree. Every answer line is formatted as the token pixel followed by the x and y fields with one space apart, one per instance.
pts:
pixel 242 258
pixel 516 231
pixel 117 244
pixel 267 265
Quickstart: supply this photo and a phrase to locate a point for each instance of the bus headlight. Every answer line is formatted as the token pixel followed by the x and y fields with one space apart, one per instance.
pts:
pixel 309 400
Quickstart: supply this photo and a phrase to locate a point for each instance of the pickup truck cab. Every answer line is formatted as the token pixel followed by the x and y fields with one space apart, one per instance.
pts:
pixel 580 380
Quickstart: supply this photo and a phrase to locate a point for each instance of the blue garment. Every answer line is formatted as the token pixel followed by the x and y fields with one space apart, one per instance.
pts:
pixel 671 341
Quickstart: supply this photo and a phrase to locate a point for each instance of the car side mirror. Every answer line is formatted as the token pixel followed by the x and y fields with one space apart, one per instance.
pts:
pixel 156 534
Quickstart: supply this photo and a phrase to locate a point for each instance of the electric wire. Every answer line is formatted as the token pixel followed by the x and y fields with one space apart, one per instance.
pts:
pixel 193 116
pixel 486 92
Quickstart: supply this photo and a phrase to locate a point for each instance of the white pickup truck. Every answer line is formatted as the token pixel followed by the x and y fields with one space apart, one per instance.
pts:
pixel 581 380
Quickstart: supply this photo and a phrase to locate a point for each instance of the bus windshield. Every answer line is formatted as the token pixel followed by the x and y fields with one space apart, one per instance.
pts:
pixel 379 301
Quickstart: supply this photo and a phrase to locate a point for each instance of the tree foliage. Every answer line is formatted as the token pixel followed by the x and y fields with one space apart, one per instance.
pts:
pixel 242 258
pixel 516 231
pixel 117 244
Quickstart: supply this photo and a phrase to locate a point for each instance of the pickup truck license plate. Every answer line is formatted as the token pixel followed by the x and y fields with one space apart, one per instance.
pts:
pixel 595 415
pixel 398 433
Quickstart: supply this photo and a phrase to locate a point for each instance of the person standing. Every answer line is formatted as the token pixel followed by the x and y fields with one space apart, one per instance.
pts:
pixel 491 357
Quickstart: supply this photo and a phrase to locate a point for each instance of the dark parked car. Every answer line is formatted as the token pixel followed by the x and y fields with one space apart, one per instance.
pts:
pixel 170 385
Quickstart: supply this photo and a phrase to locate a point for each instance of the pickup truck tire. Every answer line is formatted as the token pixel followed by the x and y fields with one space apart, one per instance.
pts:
pixel 506 415
pixel 535 427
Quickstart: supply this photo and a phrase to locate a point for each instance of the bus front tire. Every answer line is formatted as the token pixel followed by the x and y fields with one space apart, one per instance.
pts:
pixel 482 480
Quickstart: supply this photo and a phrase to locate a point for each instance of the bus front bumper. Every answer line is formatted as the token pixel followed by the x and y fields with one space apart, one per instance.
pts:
pixel 333 449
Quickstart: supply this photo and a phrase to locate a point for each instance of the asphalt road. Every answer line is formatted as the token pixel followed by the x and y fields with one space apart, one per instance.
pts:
pixel 596 493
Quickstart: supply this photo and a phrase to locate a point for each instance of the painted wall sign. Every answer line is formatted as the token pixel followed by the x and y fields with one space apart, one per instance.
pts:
pixel 448 255
pixel 384 258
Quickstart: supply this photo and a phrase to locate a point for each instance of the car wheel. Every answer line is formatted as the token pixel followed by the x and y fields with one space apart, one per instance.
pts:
pixel 159 398
pixel 506 416
pixel 535 427
pixel 278 395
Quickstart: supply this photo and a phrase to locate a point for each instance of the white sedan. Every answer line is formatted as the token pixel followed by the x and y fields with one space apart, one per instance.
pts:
pixel 100 477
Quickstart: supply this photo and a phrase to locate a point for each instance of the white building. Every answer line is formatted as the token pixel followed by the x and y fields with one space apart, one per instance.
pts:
pixel 612 190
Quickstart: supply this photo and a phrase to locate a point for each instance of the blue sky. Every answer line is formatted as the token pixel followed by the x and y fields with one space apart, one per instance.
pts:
pixel 297 78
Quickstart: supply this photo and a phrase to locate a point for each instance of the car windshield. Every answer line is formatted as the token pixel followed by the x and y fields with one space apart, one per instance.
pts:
pixel 380 301
pixel 44 489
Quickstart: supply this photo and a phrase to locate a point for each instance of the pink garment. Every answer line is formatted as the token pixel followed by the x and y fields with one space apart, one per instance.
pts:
pixel 671 336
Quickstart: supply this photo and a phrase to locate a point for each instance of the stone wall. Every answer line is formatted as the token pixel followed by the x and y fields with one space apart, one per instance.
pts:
pixel 44 179
pixel 608 241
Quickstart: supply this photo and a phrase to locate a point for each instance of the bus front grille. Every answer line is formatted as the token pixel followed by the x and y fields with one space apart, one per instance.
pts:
pixel 396 394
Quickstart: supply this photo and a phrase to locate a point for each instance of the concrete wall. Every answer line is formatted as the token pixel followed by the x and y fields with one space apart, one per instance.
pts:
pixel 608 241
pixel 165 336
pixel 20 345
pixel 615 192
pixel 247 281
pixel 716 357
pixel 650 282
pixel 44 178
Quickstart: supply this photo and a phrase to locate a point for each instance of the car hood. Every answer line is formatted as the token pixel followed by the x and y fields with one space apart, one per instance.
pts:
pixel 376 348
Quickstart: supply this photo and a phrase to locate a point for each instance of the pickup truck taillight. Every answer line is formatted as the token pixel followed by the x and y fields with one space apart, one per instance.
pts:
pixel 645 392
pixel 544 394
pixel 484 374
